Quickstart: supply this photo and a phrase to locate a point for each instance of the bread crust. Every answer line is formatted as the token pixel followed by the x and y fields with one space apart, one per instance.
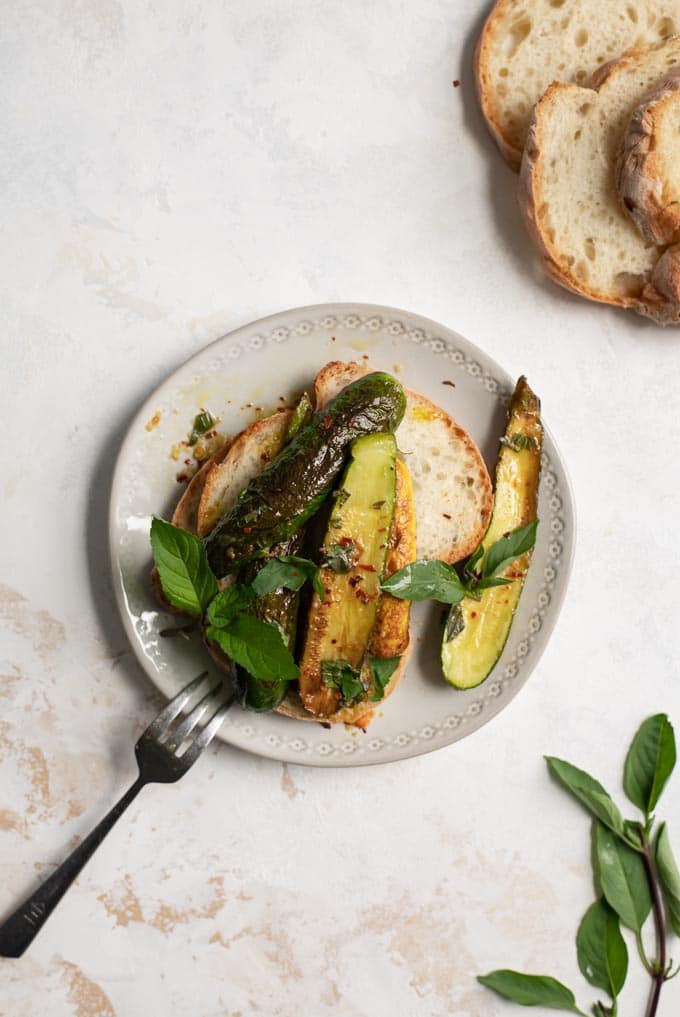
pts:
pixel 641 176
pixel 639 293
pixel 485 89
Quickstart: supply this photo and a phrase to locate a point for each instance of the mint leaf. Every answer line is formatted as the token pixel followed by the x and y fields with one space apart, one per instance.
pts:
pixel 426 579
pixel 649 762
pixel 288 571
pixel 623 878
pixel 340 675
pixel 257 646
pixel 669 876
pixel 382 669
pixel 508 548
pixel 601 950
pixel 223 608
pixel 589 791
pixel 186 578
pixel 530 990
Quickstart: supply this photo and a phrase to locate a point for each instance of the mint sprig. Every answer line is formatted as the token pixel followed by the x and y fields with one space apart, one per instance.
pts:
pixel 431 579
pixel 634 877
pixel 186 578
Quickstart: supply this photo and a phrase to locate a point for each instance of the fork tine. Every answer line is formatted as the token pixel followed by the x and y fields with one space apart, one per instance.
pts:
pixel 175 736
pixel 206 735
pixel 159 724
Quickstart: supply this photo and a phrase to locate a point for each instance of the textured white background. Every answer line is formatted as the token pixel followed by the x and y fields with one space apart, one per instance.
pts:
pixel 169 171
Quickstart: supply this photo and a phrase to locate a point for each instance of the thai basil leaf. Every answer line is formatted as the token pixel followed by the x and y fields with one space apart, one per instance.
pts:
pixel 530 990
pixel 339 557
pixel 508 548
pixel 426 579
pixel 257 646
pixel 623 878
pixel 589 791
pixel 601 950
pixel 669 876
pixel 186 578
pixel 649 762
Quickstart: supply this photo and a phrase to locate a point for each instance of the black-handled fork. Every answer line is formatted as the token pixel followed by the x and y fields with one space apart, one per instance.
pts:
pixel 160 761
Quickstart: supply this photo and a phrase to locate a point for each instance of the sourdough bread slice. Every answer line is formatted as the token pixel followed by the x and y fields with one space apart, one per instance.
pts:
pixel 255 446
pixel 451 485
pixel 648 171
pixel 527 44
pixel 568 187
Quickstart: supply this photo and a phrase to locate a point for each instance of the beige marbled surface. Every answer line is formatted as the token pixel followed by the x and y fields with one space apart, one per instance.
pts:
pixel 168 172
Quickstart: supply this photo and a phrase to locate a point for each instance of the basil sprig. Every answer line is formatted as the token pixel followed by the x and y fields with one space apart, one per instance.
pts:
pixel 190 585
pixel 431 579
pixel 634 874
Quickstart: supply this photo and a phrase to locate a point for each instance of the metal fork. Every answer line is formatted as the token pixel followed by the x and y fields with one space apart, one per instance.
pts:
pixel 160 762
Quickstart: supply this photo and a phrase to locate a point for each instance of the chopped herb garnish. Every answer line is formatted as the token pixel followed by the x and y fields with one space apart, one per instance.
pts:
pixel 340 675
pixel 377 504
pixel 382 669
pixel 203 422
pixel 520 442
pixel 341 496
pixel 339 557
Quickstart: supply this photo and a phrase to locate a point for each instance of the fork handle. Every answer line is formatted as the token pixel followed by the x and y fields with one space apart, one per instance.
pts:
pixel 18 932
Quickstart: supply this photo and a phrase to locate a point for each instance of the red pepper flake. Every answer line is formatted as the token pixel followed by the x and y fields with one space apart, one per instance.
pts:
pixel 327 422
pixel 333 641
pixel 332 338
pixel 345 541
pixel 447 382
pixel 366 568
pixel 365 356
pixel 456 83
pixel 355 580
pixel 446 515
pixel 187 462
pixel 247 529
pixel 473 614
pixel 181 477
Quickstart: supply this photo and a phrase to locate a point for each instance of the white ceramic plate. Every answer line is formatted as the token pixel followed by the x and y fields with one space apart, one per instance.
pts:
pixel 279 356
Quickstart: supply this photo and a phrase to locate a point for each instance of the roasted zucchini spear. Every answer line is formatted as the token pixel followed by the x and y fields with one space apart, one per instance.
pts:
pixel 476 631
pixel 290 489
pixel 353 557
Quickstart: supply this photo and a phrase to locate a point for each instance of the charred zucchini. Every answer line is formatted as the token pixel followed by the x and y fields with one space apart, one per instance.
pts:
pixel 280 608
pixel 476 631
pixel 352 564
pixel 290 489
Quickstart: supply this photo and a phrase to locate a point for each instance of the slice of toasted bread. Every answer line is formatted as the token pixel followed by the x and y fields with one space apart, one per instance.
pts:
pixel 451 484
pixel 527 44
pixel 186 511
pixel 255 446
pixel 568 186
pixel 648 170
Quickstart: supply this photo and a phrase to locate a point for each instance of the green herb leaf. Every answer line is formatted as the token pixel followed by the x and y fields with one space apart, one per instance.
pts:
pixel 468 566
pixel 455 623
pixel 186 578
pixel 382 669
pixel 623 878
pixel 507 549
pixel 519 442
pixel 426 579
pixel 223 608
pixel 203 422
pixel 339 557
pixel 301 415
pixel 288 572
pixel 340 675
pixel 601 950
pixel 257 646
pixel 649 762
pixel 530 990
pixel 589 791
pixel 669 877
